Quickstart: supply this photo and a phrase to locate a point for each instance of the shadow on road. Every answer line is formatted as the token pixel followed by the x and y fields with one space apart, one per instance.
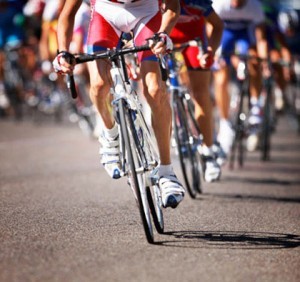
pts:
pixel 262 181
pixel 249 197
pixel 230 240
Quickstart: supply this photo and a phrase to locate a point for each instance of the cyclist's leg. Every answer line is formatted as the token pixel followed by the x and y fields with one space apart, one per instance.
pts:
pixel 221 84
pixel 201 96
pixel 102 36
pixel 203 103
pixel 255 117
pixel 204 117
pixel 157 98
pixel 280 79
pixel 203 112
pixel 255 76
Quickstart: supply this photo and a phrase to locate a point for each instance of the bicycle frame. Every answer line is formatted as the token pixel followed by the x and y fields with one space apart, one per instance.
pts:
pixel 122 90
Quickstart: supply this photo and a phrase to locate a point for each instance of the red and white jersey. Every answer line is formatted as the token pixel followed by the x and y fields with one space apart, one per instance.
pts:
pixel 126 14
pixel 109 18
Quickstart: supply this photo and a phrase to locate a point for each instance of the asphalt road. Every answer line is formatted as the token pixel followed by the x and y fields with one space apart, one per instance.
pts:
pixel 63 219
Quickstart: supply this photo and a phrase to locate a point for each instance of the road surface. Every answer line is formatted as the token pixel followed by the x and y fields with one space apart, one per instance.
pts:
pixel 63 219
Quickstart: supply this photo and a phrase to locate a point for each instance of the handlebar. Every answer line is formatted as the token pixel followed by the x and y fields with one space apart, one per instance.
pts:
pixel 247 57
pixel 111 54
pixel 197 42
pixel 71 85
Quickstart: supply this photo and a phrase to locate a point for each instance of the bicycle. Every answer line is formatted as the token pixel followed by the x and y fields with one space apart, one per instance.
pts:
pixel 269 112
pixel 139 155
pixel 186 131
pixel 239 105
pixel 242 106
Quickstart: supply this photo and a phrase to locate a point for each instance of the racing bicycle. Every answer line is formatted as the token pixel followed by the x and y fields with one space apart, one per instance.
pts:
pixel 239 108
pixel 138 150
pixel 186 131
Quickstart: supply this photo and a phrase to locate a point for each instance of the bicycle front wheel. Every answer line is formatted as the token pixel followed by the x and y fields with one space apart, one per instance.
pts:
pixel 148 150
pixel 134 168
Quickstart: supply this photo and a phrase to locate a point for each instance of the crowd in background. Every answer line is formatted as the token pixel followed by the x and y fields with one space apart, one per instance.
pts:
pixel 28 30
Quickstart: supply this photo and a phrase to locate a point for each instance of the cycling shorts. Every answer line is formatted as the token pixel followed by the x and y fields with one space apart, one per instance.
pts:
pixel 189 27
pixel 109 20
pixel 234 41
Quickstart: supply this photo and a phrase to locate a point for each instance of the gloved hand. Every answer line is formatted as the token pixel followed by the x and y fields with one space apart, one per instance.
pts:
pixel 167 41
pixel 64 63
pixel 160 43
pixel 206 60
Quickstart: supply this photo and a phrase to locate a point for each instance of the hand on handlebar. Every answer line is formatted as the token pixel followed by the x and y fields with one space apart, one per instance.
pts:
pixel 161 43
pixel 64 63
pixel 206 60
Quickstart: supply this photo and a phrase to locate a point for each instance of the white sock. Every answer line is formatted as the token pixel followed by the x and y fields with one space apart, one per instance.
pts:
pixel 165 170
pixel 207 151
pixel 225 123
pixel 112 133
pixel 254 101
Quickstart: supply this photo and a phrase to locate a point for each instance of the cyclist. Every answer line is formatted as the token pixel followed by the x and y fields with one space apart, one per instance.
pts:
pixel 289 25
pixel 240 16
pixel 192 24
pixel 48 41
pixel 278 49
pixel 108 20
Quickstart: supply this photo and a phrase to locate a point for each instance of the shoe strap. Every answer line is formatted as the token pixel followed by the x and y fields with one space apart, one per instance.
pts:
pixel 169 182
pixel 108 143
pixel 109 151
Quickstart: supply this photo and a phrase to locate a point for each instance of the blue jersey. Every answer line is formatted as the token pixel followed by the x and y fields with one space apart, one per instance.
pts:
pixel 203 5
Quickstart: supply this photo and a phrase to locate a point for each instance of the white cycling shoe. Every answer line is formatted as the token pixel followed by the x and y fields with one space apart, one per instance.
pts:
pixel 172 191
pixel 221 157
pixel 226 136
pixel 252 142
pixel 255 124
pixel 211 169
pixel 110 156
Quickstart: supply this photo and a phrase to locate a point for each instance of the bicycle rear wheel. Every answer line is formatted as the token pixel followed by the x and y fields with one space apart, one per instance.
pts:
pixel 187 149
pixel 134 168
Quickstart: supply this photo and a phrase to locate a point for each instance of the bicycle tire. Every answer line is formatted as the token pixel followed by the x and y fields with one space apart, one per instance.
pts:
pixel 239 129
pixel 187 158
pixel 266 128
pixel 150 159
pixel 238 143
pixel 193 125
pixel 156 207
pixel 136 180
